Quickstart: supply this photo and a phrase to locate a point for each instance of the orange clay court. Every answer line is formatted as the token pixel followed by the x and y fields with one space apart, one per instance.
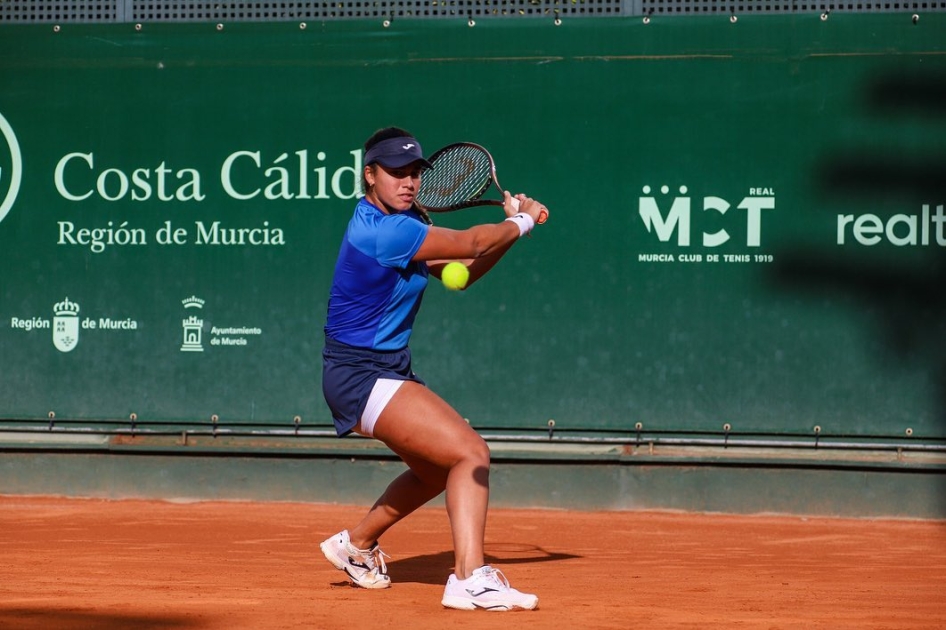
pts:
pixel 94 564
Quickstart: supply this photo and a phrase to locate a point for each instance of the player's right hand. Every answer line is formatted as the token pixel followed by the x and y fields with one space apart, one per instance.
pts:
pixel 534 208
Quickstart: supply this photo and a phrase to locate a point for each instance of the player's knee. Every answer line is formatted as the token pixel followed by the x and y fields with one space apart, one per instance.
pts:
pixel 478 452
pixel 476 461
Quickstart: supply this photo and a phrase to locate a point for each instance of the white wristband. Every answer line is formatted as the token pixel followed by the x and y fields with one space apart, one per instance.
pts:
pixel 524 222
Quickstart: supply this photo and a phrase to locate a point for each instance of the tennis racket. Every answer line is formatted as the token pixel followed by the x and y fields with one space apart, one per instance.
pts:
pixel 461 174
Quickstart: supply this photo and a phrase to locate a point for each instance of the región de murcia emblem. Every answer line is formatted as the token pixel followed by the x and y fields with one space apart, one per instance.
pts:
pixel 66 325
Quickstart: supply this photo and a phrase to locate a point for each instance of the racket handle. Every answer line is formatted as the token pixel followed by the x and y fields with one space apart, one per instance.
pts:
pixel 515 204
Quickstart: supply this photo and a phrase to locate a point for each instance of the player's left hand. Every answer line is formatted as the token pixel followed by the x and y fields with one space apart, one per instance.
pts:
pixel 511 203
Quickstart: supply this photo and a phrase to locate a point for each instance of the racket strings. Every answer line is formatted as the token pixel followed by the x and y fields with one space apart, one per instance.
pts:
pixel 458 174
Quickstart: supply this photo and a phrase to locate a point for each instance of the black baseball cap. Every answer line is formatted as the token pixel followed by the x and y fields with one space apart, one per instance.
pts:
pixel 396 152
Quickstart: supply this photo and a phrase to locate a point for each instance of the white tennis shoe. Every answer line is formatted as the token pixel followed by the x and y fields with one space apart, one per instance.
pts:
pixel 486 588
pixel 365 567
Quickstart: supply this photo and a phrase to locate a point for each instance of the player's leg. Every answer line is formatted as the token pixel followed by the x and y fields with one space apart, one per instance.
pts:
pixel 419 425
pixel 356 551
pixel 442 450
pixel 413 488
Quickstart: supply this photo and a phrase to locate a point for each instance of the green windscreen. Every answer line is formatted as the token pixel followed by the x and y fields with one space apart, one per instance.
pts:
pixel 747 223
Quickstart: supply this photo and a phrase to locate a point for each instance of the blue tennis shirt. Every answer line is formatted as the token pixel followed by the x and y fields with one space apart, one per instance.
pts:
pixel 377 289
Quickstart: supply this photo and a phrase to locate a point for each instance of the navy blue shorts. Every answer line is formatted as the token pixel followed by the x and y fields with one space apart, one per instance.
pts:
pixel 349 374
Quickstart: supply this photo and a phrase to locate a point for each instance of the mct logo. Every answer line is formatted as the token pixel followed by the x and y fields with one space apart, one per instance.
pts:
pixel 11 167
pixel 678 217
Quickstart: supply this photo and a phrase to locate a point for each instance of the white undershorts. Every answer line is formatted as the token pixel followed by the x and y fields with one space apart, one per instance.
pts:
pixel 381 393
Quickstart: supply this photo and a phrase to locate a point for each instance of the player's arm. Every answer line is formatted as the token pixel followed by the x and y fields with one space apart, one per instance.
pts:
pixel 479 247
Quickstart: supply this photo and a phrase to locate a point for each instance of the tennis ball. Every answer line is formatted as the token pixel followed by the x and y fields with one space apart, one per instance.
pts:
pixel 455 276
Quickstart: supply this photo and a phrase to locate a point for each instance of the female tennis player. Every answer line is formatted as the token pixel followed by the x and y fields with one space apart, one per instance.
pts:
pixel 383 265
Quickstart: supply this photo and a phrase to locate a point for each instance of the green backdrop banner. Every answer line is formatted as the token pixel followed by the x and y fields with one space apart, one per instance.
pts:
pixel 747 219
